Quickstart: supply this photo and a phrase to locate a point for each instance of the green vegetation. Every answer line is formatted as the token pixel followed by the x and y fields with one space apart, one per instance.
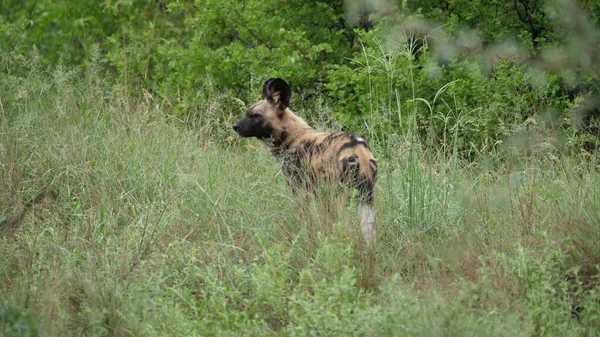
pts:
pixel 121 221
pixel 481 70
pixel 128 207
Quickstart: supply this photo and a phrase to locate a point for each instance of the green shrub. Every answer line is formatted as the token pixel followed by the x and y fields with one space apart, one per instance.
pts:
pixel 14 322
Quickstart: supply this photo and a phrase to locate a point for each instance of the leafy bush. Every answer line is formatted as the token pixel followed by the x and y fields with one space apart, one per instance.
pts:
pixel 459 85
pixel 238 45
pixel 394 82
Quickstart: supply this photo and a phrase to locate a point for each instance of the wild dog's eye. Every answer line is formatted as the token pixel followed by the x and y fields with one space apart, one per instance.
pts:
pixel 255 116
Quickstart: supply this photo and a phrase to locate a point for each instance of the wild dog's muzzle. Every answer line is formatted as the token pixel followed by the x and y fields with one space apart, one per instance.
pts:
pixel 236 126
pixel 242 127
pixel 253 127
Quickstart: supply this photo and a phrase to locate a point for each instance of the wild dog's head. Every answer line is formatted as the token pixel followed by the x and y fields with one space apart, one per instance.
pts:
pixel 264 118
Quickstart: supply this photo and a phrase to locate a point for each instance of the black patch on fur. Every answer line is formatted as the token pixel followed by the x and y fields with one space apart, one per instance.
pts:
pixel 351 144
pixel 294 169
pixel 353 177
pixel 333 136
pixel 312 149
pixel 309 148
pixel 283 138
pixel 279 144
pixel 366 187
pixel 350 168
pixel 374 167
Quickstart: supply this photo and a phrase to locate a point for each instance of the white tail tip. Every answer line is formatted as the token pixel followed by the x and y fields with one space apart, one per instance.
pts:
pixel 367 222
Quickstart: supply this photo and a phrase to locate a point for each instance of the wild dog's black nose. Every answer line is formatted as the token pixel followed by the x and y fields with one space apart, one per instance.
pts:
pixel 236 126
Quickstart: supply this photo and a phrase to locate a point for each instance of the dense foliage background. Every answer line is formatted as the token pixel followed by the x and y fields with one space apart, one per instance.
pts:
pixel 478 70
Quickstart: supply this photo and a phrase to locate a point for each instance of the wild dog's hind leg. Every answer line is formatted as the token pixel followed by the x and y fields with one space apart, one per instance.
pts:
pixel 365 183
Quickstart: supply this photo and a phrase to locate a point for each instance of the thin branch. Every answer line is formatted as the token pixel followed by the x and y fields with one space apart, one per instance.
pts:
pixel 245 25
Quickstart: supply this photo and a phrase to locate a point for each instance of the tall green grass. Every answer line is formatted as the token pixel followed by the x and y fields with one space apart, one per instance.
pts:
pixel 119 219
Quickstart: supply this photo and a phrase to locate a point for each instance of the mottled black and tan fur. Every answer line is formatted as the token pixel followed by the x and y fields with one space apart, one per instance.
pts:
pixel 309 156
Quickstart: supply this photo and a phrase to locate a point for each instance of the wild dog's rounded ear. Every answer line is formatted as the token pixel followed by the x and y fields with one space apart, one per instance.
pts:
pixel 277 90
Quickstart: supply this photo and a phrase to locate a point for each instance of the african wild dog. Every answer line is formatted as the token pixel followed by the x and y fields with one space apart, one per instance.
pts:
pixel 311 156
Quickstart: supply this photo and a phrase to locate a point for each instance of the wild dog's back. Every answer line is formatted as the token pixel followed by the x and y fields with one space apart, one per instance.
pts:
pixel 338 155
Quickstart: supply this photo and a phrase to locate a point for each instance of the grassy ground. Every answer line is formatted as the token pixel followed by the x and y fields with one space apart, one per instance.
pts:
pixel 118 220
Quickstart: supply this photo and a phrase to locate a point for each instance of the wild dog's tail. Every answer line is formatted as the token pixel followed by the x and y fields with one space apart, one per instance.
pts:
pixel 361 170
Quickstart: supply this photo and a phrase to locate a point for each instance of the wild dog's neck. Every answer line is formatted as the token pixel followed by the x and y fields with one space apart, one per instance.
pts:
pixel 292 126
pixel 286 129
